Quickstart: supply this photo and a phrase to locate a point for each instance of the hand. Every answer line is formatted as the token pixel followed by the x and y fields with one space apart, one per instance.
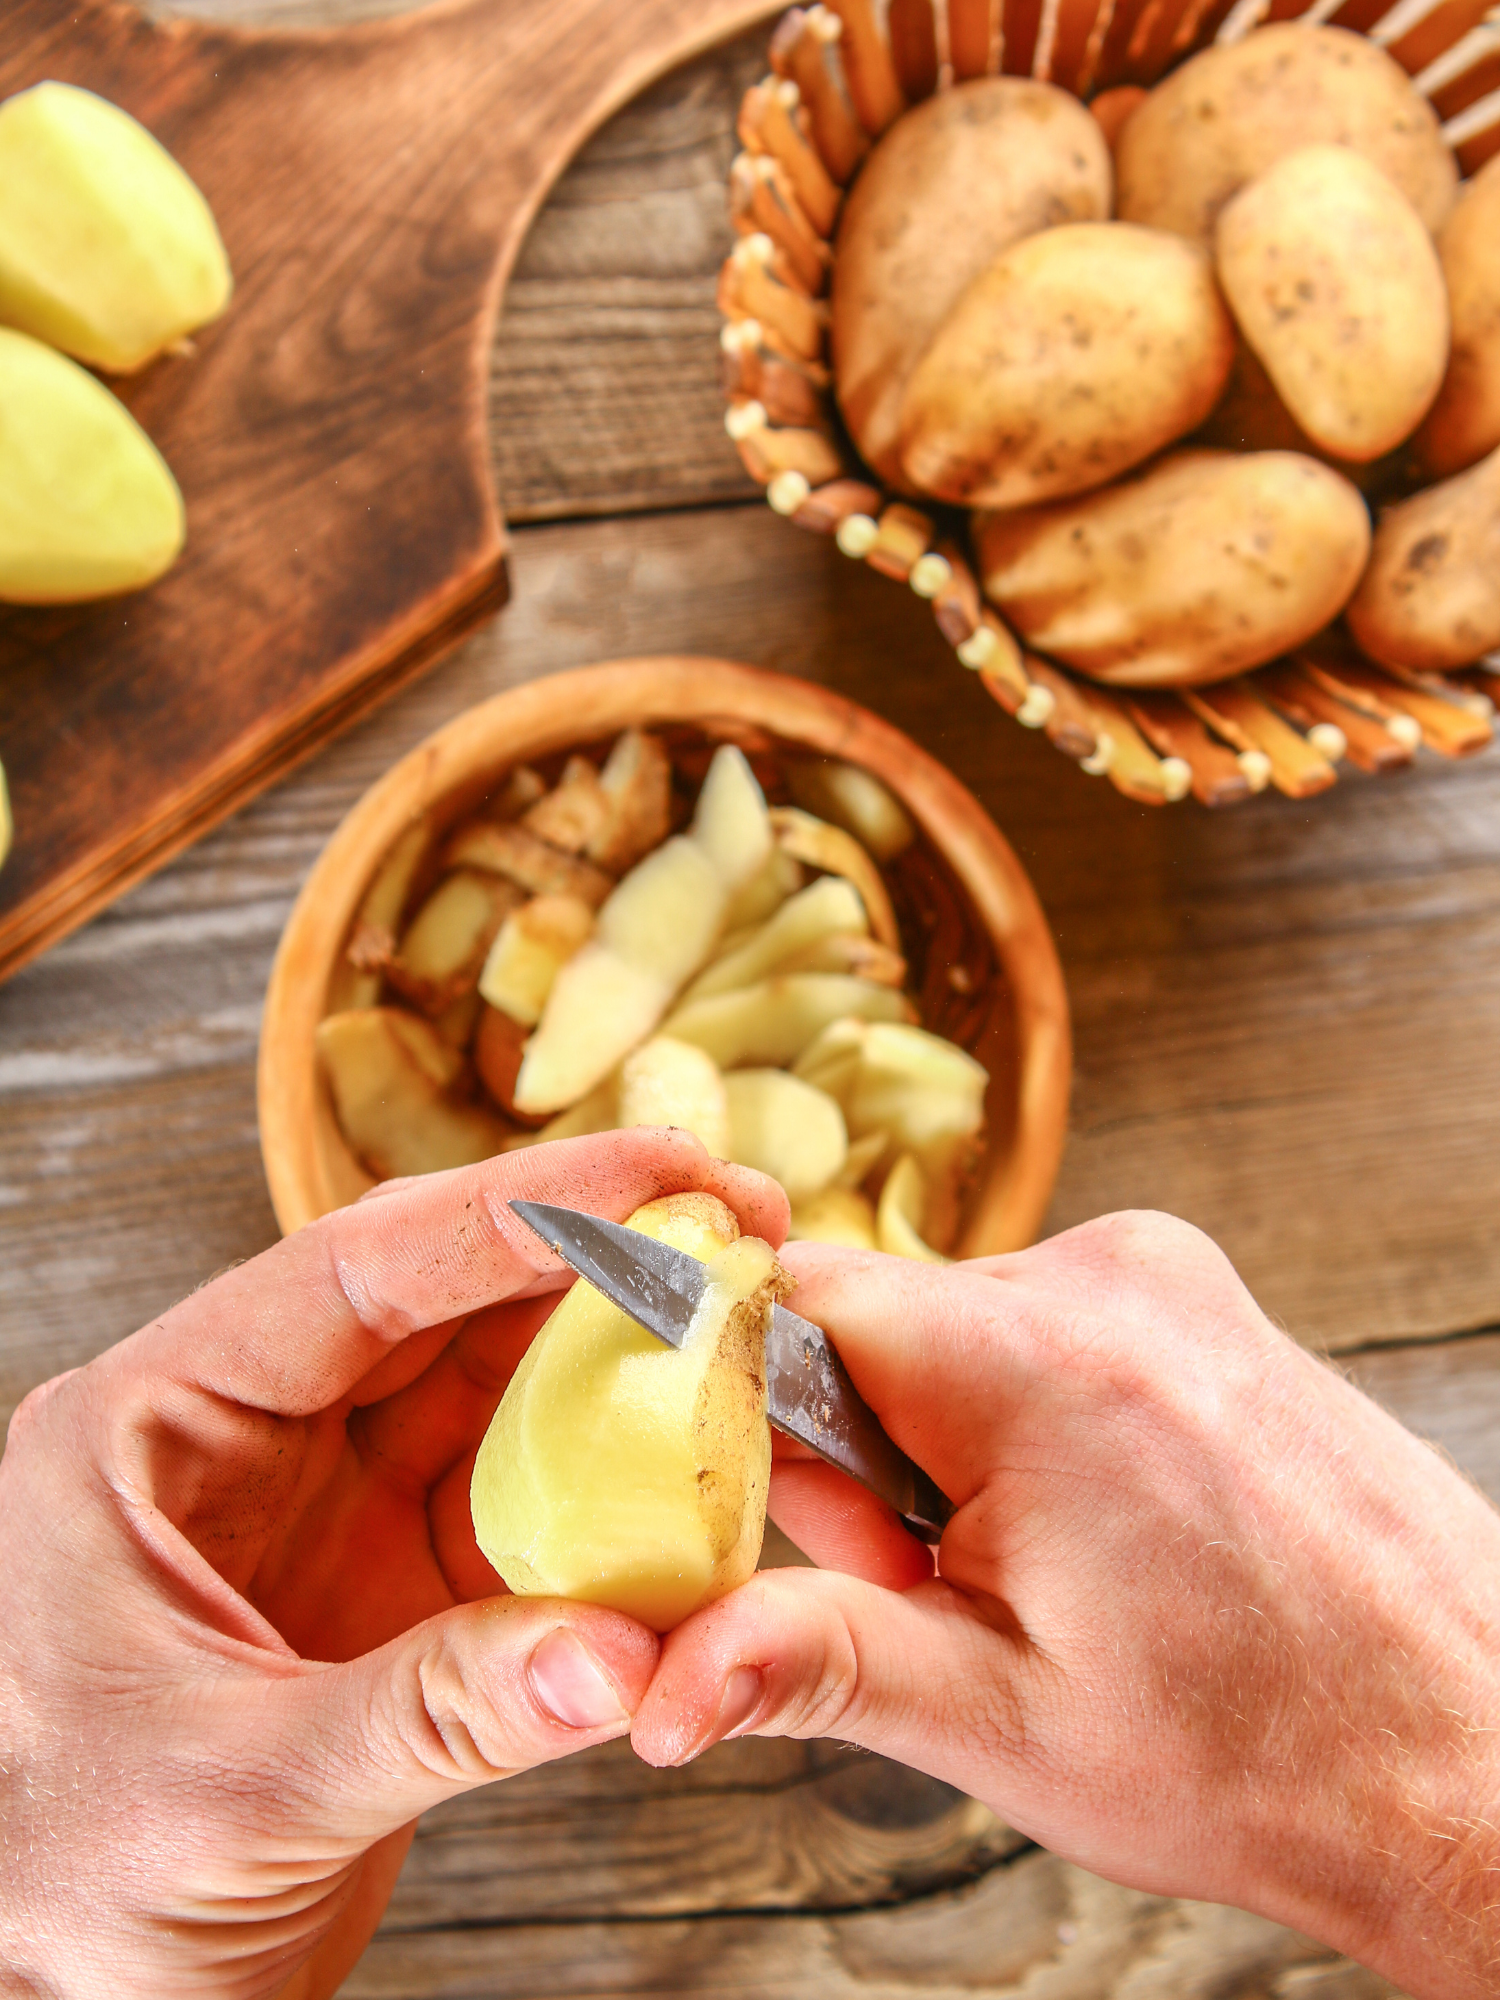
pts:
pixel 271 1478
pixel 1208 1621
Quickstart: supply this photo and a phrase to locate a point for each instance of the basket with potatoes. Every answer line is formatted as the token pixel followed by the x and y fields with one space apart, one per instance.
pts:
pixel 1158 345
pixel 698 922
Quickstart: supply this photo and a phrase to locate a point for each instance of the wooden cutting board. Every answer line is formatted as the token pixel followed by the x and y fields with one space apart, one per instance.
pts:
pixel 372 185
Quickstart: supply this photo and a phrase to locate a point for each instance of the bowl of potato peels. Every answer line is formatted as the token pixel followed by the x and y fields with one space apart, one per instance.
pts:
pixel 677 891
pixel 1158 346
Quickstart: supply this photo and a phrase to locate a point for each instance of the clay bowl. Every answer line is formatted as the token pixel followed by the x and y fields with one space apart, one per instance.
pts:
pixel 984 970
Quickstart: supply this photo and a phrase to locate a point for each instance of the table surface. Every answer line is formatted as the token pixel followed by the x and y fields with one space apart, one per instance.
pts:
pixel 1288 1030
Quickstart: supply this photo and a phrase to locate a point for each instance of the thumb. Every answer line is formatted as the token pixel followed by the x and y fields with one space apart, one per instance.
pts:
pixel 916 1675
pixel 475 1694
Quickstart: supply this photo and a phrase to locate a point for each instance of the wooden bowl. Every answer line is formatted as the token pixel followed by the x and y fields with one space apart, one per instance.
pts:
pixel 983 965
pixel 841 72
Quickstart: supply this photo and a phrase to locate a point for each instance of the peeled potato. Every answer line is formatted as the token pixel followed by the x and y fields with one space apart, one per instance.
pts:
pixel 786 1128
pixel 1231 111
pixel 954 181
pixel 107 249
pixel 668 1082
pixel 1336 286
pixel 899 1218
pixel 531 947
pixel 773 1022
pixel 1430 598
pixel 1463 425
pixel 88 507
pixel 831 904
pixel 444 946
pixel 390 1075
pixel 836 1215
pixel 625 1472
pixel 1202 566
pixel 1077 354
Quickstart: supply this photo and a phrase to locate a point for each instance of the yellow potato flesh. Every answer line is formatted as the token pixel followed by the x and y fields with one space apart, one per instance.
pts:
pixel 88 507
pixel 667 1082
pixel 389 1074
pixel 107 249
pixel 786 1128
pixel 624 1472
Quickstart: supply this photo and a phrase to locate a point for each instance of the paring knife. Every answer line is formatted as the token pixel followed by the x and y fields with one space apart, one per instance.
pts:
pixel 810 1396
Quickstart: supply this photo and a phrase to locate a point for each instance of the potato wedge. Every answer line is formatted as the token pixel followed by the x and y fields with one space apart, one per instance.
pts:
pixel 1430 598
pixel 1463 425
pixel 389 1074
pixel 1076 355
pixel 773 1022
pixel 1231 111
pixel 829 905
pixel 1203 565
pixel 837 1215
pixel 953 183
pixel 854 799
pixel 1336 285
pixel 446 942
pixel 785 1128
pixel 531 947
pixel 637 783
pixel 622 1471
pixel 530 862
pixel 600 1006
pixel 668 1082
pixel 730 823
pixel 666 916
pixel 898 1219
pixel 838 853
pixel 575 813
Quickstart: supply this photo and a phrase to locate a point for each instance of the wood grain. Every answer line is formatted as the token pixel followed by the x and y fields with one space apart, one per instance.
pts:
pixel 329 431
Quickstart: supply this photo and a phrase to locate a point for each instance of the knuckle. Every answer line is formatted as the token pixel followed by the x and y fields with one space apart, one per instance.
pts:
pixel 28 1417
pixel 446 1727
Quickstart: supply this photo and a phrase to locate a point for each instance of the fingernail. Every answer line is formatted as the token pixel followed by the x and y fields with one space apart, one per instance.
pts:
pixel 571 1685
pixel 741 1698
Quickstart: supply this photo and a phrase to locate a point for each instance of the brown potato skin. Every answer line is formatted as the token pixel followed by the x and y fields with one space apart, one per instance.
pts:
pixel 1205 565
pixel 1229 113
pixel 1336 285
pixel 955 181
pixel 1464 423
pixel 1430 597
pixel 1079 353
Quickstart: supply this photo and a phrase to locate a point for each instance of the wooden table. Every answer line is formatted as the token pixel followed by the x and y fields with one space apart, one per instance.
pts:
pixel 1288 1030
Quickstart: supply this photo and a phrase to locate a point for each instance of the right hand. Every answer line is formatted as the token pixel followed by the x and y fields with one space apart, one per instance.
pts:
pixel 1208 1622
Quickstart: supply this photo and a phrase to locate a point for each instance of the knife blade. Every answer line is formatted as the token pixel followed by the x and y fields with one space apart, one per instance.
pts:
pixel 809 1394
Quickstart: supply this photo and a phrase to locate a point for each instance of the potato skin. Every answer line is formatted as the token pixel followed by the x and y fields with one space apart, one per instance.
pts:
pixel 1430 597
pixel 1229 113
pixel 1078 353
pixel 1205 565
pixel 1336 285
pixel 1464 423
pixel 955 181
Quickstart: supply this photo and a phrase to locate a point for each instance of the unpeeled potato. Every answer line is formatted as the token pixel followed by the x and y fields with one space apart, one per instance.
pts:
pixel 1204 565
pixel 1335 284
pixel 1430 598
pixel 1077 354
pixel 1230 112
pixel 1464 423
pixel 954 181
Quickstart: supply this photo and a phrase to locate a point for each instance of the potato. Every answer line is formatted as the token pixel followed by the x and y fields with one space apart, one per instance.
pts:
pixel 730 822
pixel 107 249
pixel 1230 112
pixel 524 858
pixel 854 799
pixel 625 1472
pixel 837 1215
pixel 667 914
pixel 1463 425
pixel 390 1075
pixel 530 949
pixel 955 181
pixel 667 1082
pixel 1430 597
pixel 575 814
pixel 637 785
pixel 1336 285
pixel 1076 355
pixel 890 1077
pixel 372 937
pixel 838 853
pixel 1203 565
pixel 780 875
pixel 898 1220
pixel 88 507
pixel 444 946
pixel 785 1128
pixel 772 1023
pixel 600 1006
pixel 831 904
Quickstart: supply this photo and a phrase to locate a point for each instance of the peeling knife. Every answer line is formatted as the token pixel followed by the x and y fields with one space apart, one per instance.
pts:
pixel 810 1396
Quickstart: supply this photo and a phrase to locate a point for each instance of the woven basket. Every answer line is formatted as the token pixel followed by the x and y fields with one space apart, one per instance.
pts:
pixel 840 74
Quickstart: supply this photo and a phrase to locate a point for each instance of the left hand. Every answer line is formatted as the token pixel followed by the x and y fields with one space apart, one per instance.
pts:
pixel 246 1635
